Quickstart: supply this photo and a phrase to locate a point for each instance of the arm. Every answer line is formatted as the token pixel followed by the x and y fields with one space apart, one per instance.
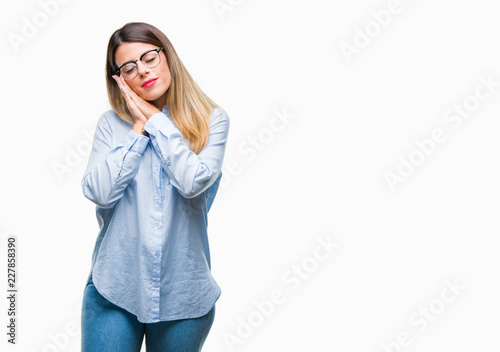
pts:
pixel 190 173
pixel 110 170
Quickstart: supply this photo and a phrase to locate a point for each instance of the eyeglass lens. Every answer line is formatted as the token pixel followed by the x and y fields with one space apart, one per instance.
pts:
pixel 150 60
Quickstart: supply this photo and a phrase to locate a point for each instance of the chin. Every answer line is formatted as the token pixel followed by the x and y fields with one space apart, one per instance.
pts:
pixel 151 96
pixel 154 95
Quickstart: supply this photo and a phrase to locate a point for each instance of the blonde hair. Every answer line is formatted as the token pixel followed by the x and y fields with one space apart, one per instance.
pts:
pixel 188 106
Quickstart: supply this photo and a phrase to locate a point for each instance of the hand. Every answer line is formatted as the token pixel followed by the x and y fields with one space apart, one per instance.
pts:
pixel 140 109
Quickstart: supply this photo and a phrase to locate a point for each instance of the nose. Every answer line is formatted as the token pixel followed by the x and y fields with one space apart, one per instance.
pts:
pixel 141 68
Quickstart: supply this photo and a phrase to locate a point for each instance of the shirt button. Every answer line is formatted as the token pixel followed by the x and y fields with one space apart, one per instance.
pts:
pixel 157 284
pixel 157 255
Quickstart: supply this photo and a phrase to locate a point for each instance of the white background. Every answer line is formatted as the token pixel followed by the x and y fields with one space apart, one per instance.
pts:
pixel 323 176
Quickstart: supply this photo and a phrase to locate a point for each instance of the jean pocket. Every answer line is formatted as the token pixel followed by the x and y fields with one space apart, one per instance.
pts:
pixel 89 280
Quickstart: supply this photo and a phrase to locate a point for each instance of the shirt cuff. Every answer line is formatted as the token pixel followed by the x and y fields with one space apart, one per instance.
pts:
pixel 157 122
pixel 135 142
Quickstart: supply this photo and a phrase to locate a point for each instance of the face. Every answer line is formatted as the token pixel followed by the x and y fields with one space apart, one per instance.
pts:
pixel 154 92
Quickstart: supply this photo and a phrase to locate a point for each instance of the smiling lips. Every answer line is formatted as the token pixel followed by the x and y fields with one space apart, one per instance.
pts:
pixel 149 83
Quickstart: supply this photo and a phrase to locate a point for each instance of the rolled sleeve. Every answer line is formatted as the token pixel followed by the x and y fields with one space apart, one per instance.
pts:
pixel 189 172
pixel 110 169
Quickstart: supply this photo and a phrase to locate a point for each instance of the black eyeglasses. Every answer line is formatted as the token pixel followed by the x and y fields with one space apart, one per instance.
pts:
pixel 150 59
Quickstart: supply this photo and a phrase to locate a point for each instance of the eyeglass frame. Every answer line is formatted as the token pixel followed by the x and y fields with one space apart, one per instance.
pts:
pixel 117 72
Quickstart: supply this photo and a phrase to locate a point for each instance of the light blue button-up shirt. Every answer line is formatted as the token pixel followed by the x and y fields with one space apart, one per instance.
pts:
pixel 153 194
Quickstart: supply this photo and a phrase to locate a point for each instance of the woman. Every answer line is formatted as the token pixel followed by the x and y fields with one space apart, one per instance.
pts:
pixel 153 173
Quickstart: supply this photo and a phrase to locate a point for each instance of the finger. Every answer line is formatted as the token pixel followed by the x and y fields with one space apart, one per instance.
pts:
pixel 124 87
pixel 137 105
pixel 131 97
pixel 118 81
pixel 127 91
pixel 132 93
pixel 120 84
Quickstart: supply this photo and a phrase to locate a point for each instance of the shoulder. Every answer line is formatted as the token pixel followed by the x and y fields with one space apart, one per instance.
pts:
pixel 110 119
pixel 219 115
pixel 111 116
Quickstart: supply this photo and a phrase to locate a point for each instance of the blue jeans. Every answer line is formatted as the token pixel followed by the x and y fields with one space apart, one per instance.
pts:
pixel 109 328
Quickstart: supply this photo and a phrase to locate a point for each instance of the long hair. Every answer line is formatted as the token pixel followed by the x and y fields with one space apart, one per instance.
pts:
pixel 188 106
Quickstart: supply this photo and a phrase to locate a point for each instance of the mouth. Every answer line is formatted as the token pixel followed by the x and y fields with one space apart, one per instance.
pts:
pixel 149 83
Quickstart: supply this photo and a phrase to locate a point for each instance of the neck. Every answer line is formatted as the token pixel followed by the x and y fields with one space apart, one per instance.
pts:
pixel 160 102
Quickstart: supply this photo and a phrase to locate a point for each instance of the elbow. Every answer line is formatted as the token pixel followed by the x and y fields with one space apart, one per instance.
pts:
pixel 198 186
pixel 98 197
pixel 192 193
